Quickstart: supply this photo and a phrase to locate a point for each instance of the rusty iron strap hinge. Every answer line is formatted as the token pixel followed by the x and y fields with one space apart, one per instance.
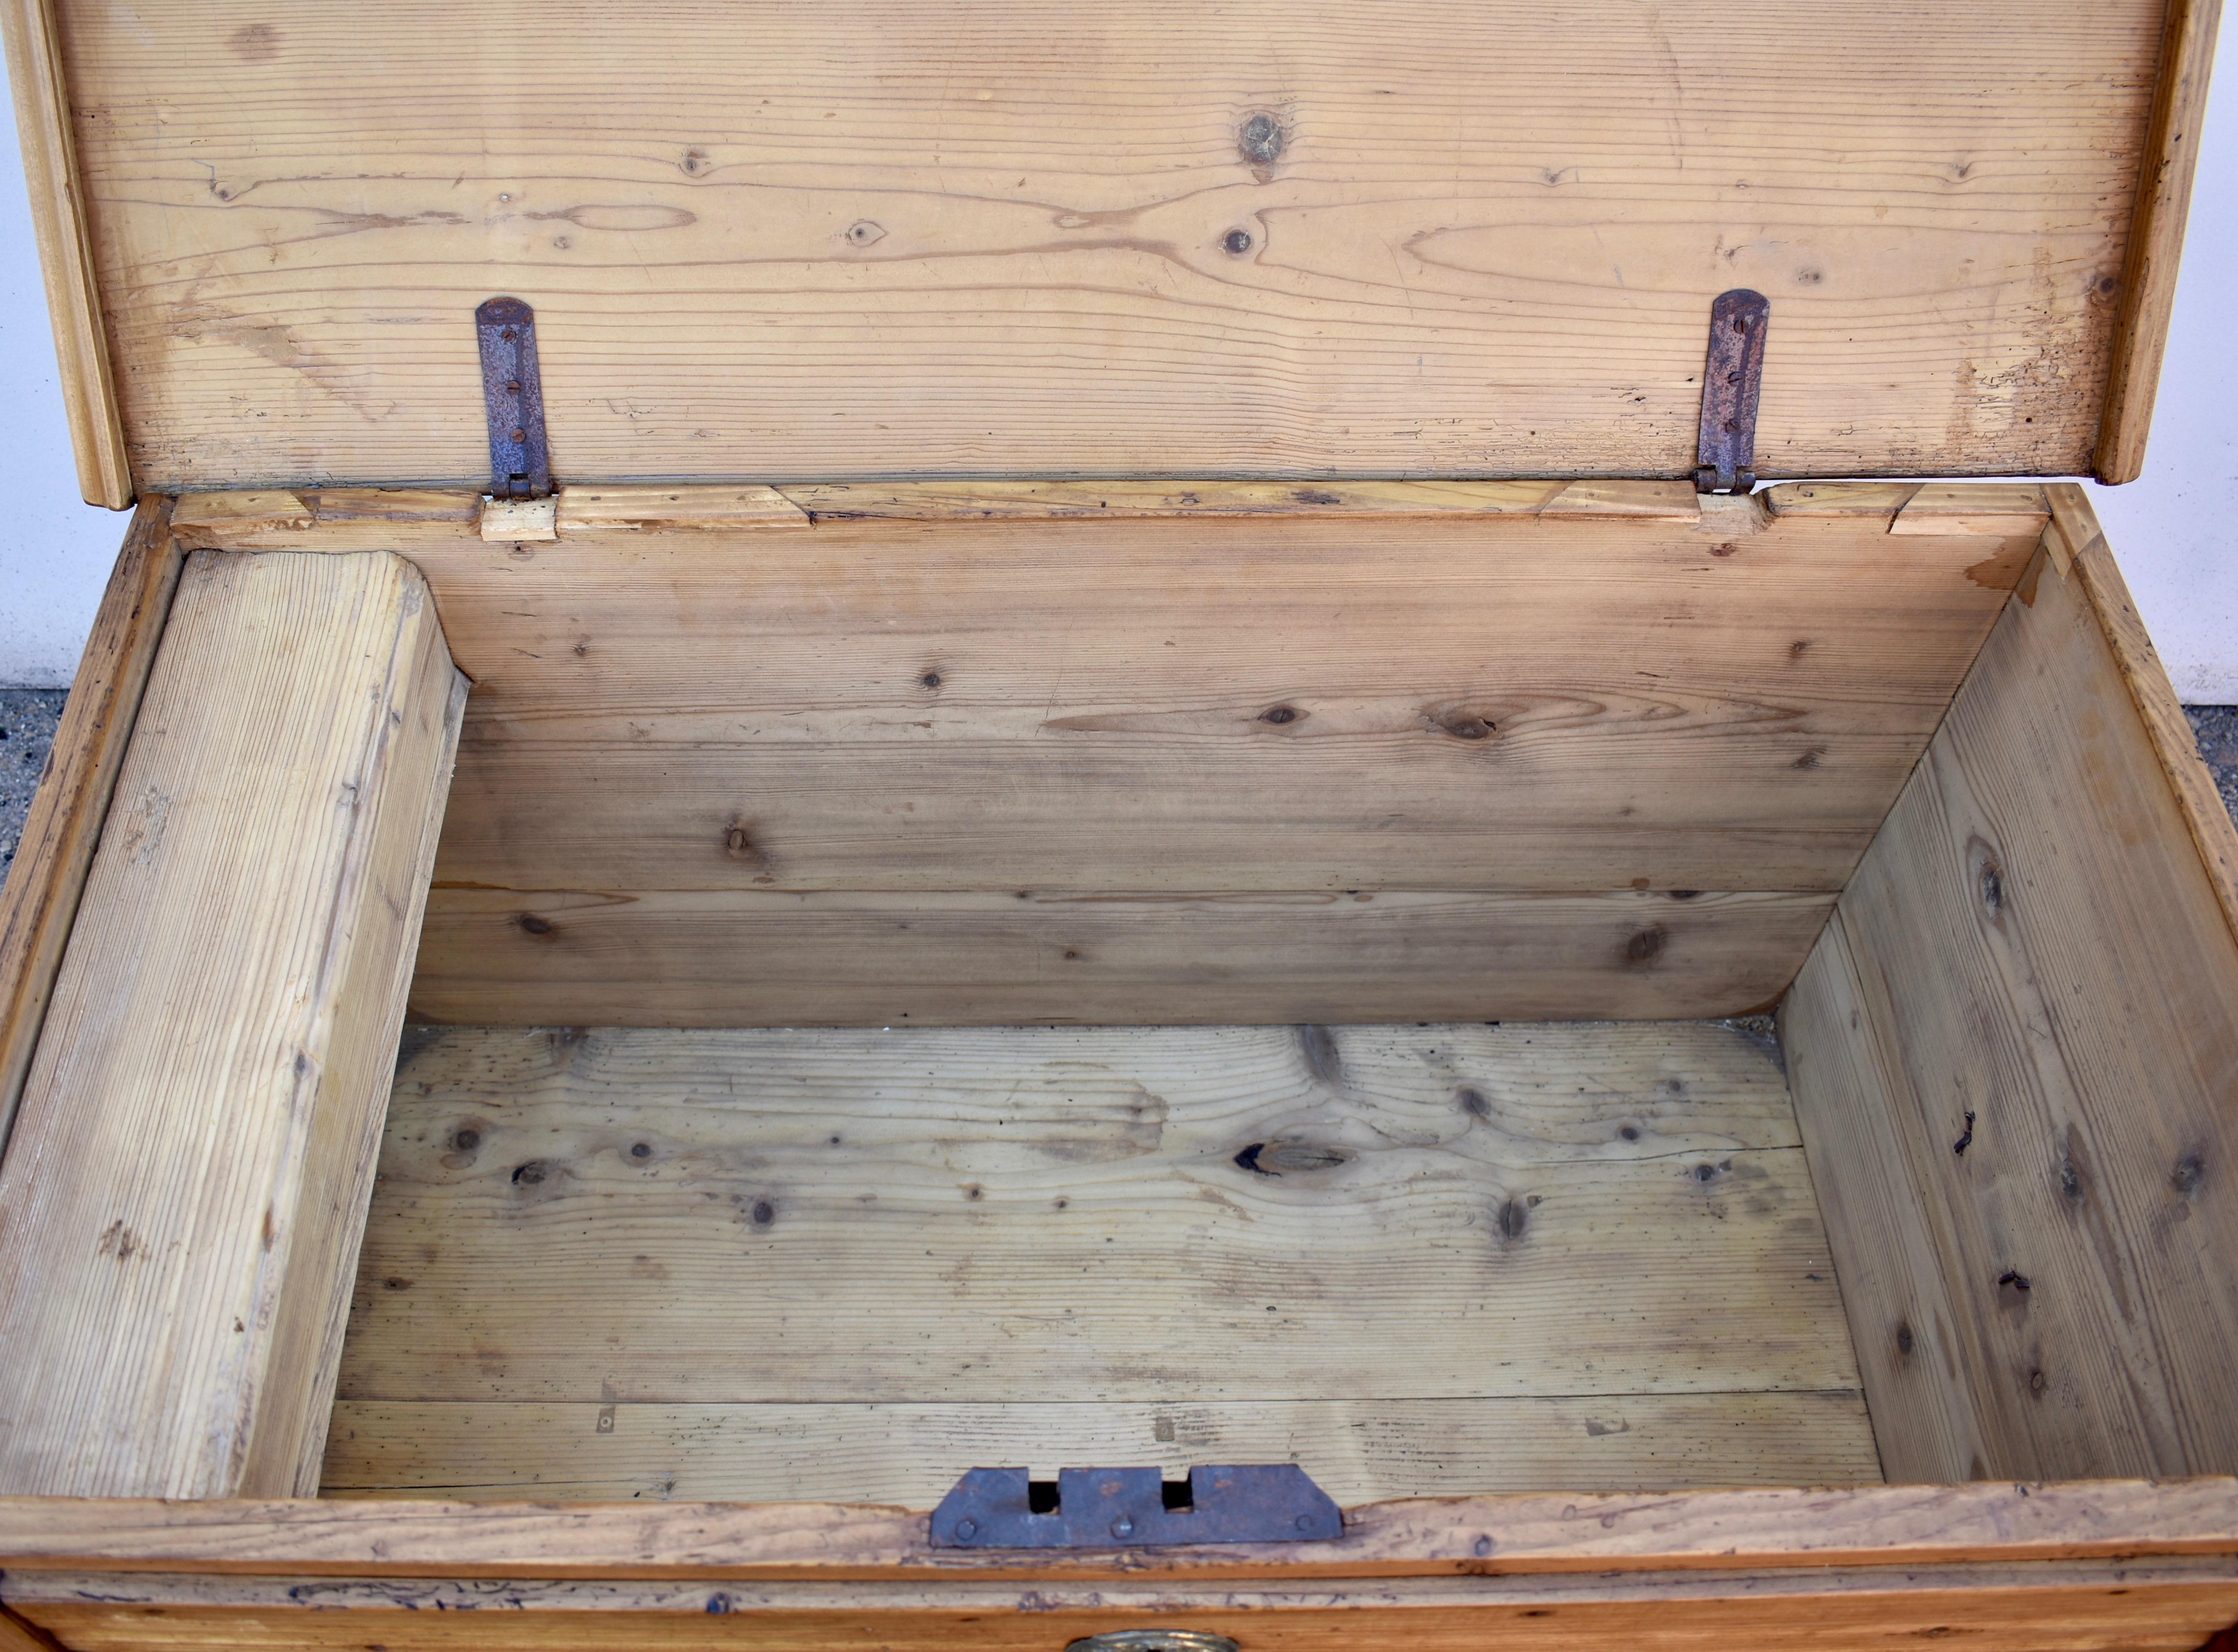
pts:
pixel 1132 1507
pixel 1724 458
pixel 520 464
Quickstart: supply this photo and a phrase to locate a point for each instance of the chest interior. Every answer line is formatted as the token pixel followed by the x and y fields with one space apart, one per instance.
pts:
pixel 1464 987
pixel 1422 946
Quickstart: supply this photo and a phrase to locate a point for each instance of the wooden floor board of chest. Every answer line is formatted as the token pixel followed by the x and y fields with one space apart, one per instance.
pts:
pixel 1227 864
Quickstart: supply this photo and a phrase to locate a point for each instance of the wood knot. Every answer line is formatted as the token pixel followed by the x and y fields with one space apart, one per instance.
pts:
pixel 1988 877
pixel 1291 1158
pixel 1260 139
pixel 1280 715
pixel 1237 241
pixel 531 924
pixel 1645 945
pixel 254 43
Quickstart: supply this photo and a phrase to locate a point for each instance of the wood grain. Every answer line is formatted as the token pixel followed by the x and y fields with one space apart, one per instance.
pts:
pixel 67 255
pixel 1884 1528
pixel 63 822
pixel 2032 960
pixel 209 518
pixel 1162 1216
pixel 589 510
pixel 2090 1607
pixel 335 519
pixel 2162 204
pixel 1882 499
pixel 516 520
pixel 1174 750
pixel 843 242
pixel 187 1179
pixel 1143 704
pixel 1358 1450
pixel 1627 498
pixel 18 1635
pixel 2012 509
pixel 942 501
pixel 763 958
pixel 1877 1196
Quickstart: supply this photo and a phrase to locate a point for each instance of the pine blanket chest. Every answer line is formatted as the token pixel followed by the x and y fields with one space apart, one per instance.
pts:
pixel 861 774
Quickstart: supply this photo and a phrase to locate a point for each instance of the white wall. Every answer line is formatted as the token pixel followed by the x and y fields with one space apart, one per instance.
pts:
pixel 55 551
pixel 2177 528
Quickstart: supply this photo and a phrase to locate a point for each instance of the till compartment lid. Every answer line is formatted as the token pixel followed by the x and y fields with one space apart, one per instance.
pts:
pixel 1110 238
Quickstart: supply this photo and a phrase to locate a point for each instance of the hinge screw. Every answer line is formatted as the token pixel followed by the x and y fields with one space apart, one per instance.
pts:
pixel 1122 1527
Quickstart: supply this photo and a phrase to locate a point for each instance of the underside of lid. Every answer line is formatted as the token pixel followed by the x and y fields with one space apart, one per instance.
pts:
pixel 1116 238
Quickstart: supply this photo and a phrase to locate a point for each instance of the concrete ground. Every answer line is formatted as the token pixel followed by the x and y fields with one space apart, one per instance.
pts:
pixel 27 728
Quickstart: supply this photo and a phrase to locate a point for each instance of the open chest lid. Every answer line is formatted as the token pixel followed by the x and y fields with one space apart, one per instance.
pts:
pixel 816 241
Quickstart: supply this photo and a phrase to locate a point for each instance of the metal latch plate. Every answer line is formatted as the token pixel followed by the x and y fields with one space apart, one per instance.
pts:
pixel 513 393
pixel 1732 380
pixel 1133 1508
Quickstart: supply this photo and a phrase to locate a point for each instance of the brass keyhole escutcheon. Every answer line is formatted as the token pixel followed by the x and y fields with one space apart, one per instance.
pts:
pixel 1155 1641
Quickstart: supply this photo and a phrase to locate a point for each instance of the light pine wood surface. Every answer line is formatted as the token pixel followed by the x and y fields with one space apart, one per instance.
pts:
pixel 758 958
pixel 1334 1245
pixel 2032 962
pixel 966 748
pixel 1886 1530
pixel 2089 1608
pixel 64 824
pixel 837 242
pixel 942 501
pixel 971 752
pixel 16 1635
pixel 187 1181
pixel 1111 706
pixel 1358 1451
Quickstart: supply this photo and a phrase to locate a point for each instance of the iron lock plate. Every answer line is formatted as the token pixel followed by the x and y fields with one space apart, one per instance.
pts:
pixel 513 396
pixel 1134 1507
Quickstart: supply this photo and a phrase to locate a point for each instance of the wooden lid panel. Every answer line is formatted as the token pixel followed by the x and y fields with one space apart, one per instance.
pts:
pixel 1107 238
